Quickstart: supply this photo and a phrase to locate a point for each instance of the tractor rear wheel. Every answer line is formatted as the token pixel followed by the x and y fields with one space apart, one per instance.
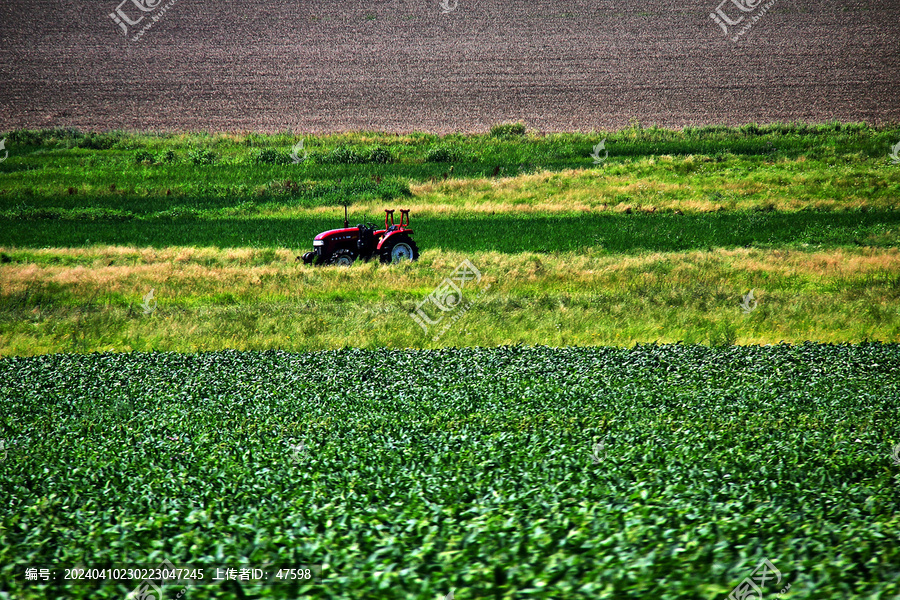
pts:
pixel 341 258
pixel 399 250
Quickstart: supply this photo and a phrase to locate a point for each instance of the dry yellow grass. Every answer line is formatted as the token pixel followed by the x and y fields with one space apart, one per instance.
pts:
pixel 584 190
pixel 254 299
pixel 238 270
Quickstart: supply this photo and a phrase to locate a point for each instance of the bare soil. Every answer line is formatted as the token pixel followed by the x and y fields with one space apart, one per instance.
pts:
pixel 407 65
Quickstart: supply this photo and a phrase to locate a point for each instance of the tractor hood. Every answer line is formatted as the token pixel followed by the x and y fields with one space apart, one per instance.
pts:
pixel 350 232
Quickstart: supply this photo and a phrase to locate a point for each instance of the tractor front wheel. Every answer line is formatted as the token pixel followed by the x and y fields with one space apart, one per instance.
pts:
pixel 400 250
pixel 341 258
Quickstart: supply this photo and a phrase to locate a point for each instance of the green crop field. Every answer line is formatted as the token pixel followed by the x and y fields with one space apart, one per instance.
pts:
pixel 515 472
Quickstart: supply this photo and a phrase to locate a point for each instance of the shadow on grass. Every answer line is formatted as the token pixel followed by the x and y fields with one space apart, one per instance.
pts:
pixel 502 233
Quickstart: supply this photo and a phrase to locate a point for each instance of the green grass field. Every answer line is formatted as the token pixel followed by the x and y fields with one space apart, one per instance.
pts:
pixel 90 223
pixel 56 174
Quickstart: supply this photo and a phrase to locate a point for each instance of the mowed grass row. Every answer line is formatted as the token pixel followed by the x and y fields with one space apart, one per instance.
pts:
pixel 553 474
pixel 206 299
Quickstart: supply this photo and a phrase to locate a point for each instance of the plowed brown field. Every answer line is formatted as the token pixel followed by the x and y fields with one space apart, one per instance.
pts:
pixel 402 65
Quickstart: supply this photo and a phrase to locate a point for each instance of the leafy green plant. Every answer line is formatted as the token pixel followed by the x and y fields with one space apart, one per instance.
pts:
pixel 508 130
pixel 270 156
pixel 380 155
pixel 340 156
pixel 202 156
pixel 98 141
pixel 444 154
pixel 29 137
pixel 144 157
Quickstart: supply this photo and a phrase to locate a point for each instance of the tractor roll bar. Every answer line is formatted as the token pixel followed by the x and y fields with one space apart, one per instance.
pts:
pixel 404 217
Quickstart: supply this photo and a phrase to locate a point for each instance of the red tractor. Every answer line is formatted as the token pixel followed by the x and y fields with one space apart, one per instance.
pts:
pixel 343 246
